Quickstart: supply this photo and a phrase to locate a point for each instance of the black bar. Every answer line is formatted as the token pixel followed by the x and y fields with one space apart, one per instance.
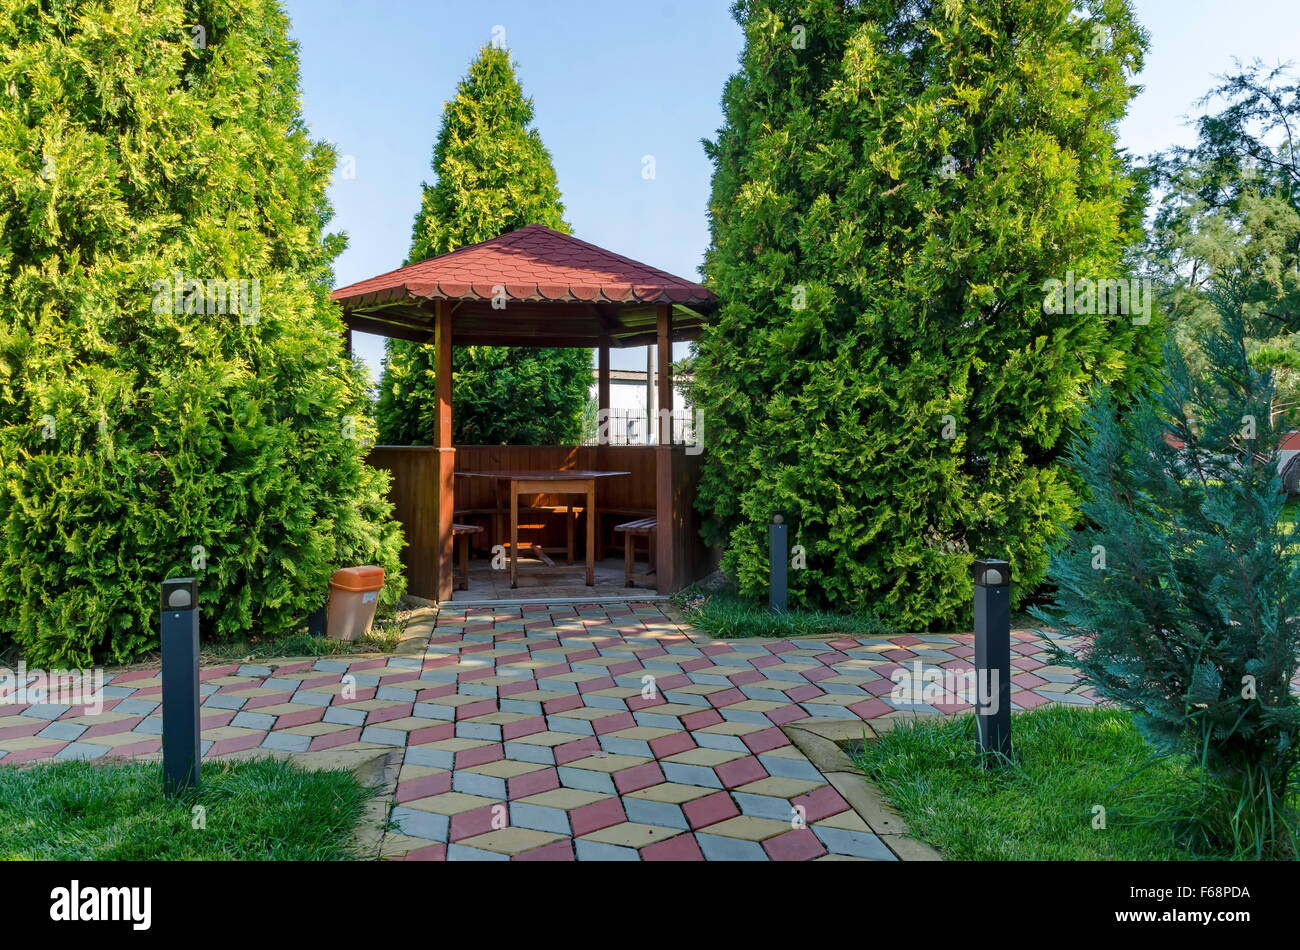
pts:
pixel 180 685
pixel 993 658
pixel 778 545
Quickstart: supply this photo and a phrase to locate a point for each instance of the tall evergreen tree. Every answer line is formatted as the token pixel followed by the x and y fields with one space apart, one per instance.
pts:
pixel 174 396
pixel 494 176
pixel 895 184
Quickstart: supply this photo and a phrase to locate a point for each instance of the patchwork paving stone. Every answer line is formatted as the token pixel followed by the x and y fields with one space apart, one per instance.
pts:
pixel 561 732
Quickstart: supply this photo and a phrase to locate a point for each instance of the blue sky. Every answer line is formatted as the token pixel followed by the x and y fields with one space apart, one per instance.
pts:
pixel 614 82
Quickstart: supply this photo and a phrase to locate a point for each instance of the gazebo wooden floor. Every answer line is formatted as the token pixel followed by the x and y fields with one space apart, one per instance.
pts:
pixel 487 584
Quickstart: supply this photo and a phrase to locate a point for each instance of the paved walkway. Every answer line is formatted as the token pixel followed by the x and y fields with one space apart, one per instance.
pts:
pixel 552 733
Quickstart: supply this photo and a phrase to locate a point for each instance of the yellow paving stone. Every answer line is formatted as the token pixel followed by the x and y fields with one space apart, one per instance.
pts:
pixel 511 840
pixel 371 704
pixel 589 713
pixel 220 733
pixel 1054 688
pixel 838 699
pixel 616 692
pixel 839 857
pixel 457 699
pixel 282 709
pixel 395 844
pixel 757 705
pixel 608 763
pixel 848 820
pixel 780 787
pixel 11 722
pixel 506 768
pixel 408 724
pixel 410 772
pixel 630 834
pixel 748 828
pixel 548 738
pixel 316 728
pixel 642 733
pixel 700 689
pixel 678 709
pixel 116 739
pixel 454 744
pixel 672 793
pixel 576 677
pixel 22 744
pixel 501 718
pixel 450 803
pixel 565 799
pixel 254 692
pixel 157 681
pixel 786 752
pixel 733 728
pixel 706 757
pixel 94 719
pixel 215 681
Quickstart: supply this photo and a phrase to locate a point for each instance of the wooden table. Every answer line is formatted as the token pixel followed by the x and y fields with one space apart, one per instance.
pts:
pixel 539 482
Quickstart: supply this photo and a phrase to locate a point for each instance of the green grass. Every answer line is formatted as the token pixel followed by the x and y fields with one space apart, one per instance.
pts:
pixel 732 617
pixel 1040 808
pixel 255 810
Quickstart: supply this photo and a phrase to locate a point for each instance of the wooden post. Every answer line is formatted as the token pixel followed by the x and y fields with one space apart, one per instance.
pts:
pixel 347 341
pixel 665 516
pixel 445 479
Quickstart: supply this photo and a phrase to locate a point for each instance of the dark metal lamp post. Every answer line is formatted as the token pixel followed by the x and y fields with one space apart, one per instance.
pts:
pixel 993 659
pixel 180 684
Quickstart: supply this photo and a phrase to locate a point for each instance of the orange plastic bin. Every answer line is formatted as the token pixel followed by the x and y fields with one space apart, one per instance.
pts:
pixel 354 595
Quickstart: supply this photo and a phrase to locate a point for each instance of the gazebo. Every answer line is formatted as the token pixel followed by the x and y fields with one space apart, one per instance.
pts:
pixel 534 287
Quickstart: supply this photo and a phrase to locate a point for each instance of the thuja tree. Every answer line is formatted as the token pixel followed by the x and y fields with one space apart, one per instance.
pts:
pixel 174 397
pixel 1186 583
pixel 896 185
pixel 494 176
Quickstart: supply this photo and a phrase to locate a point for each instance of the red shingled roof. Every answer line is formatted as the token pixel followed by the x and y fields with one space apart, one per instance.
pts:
pixel 532 264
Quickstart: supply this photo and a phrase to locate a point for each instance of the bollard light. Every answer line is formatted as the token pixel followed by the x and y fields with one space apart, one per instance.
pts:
pixel 993 659
pixel 180 684
pixel 778 548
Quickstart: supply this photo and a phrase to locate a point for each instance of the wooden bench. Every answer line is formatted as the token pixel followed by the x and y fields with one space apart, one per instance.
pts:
pixel 631 530
pixel 463 531
pixel 603 513
pixel 500 518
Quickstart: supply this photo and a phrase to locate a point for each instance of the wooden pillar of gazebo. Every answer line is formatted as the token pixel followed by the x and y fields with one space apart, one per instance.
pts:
pixel 664 515
pixel 445 465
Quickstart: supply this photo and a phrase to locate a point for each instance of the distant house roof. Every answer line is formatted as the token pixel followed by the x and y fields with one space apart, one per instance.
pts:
pixel 549 289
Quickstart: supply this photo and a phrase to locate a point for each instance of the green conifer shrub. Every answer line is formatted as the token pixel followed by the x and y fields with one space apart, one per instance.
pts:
pixel 494 176
pixel 894 186
pixel 1186 581
pixel 174 395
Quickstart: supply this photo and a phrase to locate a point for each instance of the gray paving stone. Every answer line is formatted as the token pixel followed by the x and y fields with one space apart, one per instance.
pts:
pixel 45 711
pixel 685 774
pixel 432 758
pixel 664 814
pixel 252 670
pixel 396 693
pixel 225 701
pixel 527 752
pixel 62 730
pixel 287 741
pixel 722 848
pixel 341 715
pixel 81 750
pixel 330 666
pixel 858 844
pixel 136 707
pixel 151 726
pixel 586 780
pixel 252 720
pixel 421 824
pixel 307 698
pixel 763 806
pixel 539 818
pixel 599 851
pixel 461 852
pixel 118 692
pixel 381 736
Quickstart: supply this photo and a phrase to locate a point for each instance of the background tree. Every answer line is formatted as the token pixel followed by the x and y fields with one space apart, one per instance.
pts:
pixel 1186 583
pixel 150 149
pixel 894 185
pixel 494 176
pixel 1228 216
